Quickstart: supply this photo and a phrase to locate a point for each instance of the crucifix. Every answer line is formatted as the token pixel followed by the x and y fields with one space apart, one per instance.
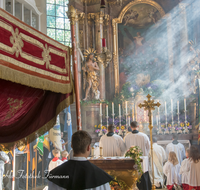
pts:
pixel 150 105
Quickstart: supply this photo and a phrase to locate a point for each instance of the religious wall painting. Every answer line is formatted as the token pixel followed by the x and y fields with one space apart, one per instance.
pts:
pixel 138 39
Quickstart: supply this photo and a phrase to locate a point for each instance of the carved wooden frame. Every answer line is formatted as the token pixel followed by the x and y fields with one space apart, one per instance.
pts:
pixel 115 23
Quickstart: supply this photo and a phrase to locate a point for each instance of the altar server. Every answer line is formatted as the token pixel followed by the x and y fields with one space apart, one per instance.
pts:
pixel 78 172
pixel 171 169
pixel 177 147
pixel 194 169
pixel 113 144
pixel 137 138
pixel 55 161
pixel 184 172
pixel 159 157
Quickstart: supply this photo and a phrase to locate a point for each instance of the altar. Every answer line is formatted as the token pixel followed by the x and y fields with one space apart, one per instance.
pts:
pixel 124 170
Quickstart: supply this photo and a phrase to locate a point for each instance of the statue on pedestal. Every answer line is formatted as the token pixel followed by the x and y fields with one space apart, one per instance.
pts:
pixel 90 75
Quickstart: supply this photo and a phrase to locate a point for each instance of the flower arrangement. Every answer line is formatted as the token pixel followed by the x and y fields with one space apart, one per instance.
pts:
pixel 135 152
pixel 117 184
pixel 177 128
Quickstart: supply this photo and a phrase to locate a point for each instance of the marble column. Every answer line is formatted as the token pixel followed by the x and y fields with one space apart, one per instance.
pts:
pixel 98 18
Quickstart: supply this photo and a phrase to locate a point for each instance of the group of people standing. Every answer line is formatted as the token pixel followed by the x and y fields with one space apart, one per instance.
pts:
pixel 173 167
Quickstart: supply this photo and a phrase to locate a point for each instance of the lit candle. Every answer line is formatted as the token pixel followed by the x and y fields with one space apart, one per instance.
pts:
pixel 177 106
pixel 166 108
pixel 129 120
pixel 100 108
pixel 171 105
pixel 126 107
pixel 101 151
pixel 119 110
pixel 185 104
pixel 92 154
pixel 106 110
pixel 112 108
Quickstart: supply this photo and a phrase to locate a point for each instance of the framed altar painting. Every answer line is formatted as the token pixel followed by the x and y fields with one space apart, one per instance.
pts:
pixel 136 37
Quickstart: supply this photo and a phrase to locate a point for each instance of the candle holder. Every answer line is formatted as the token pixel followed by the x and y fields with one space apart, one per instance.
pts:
pixel 166 120
pixel 101 132
pixel 120 121
pixel 107 121
pixel 113 119
pixel 92 155
pixel 160 132
pixel 101 153
pixel 186 129
pixel 167 131
pixel 126 120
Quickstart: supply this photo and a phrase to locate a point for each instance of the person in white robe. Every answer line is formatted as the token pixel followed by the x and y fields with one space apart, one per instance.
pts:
pixel 177 147
pixel 171 169
pixel 78 169
pixel 184 171
pixel 194 169
pixel 159 157
pixel 55 161
pixel 113 144
pixel 137 138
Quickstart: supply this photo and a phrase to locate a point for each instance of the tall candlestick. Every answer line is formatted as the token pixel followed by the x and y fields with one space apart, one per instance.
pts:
pixel 112 108
pixel 133 112
pixel 100 108
pixel 185 104
pixel 126 107
pixel 158 107
pixel 129 121
pixel 106 110
pixel 177 106
pixel 157 120
pixel 165 108
pixel 171 105
pixel 119 110
pixel 101 151
pixel 92 153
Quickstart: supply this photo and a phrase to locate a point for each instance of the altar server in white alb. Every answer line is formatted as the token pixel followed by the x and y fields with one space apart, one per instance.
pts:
pixel 113 144
pixel 177 147
pixel 137 138
pixel 55 161
pixel 171 169
pixel 159 157
pixel 184 171
pixel 194 169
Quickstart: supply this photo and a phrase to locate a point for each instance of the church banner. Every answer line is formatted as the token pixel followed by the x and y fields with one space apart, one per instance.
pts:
pixel 31 58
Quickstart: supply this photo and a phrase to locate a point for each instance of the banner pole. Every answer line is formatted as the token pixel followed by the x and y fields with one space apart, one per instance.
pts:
pixel 35 168
pixel 27 168
pixel 72 13
pixel 13 178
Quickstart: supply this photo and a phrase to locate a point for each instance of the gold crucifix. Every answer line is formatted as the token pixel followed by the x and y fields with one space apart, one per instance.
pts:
pixel 150 105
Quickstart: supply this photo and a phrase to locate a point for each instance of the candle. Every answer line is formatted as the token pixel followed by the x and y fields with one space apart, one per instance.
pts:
pixel 129 120
pixel 158 108
pixel 103 42
pixel 101 151
pixel 157 119
pixel 166 108
pixel 185 104
pixel 100 108
pixel 126 107
pixel 177 106
pixel 106 110
pixel 171 105
pixel 133 112
pixel 92 154
pixel 119 110
pixel 112 108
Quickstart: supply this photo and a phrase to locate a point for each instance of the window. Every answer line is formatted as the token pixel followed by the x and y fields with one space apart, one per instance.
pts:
pixel 58 24
pixel 23 11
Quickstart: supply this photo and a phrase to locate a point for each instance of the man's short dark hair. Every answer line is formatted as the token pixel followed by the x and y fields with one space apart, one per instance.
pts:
pixel 154 139
pixel 134 124
pixel 111 128
pixel 175 136
pixel 80 141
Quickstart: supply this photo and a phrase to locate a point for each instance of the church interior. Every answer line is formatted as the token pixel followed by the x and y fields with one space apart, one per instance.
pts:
pixel 125 71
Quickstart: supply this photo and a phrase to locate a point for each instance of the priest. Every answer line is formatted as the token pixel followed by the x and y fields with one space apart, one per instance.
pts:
pixel 177 147
pixel 113 144
pixel 78 173
pixel 159 157
pixel 137 138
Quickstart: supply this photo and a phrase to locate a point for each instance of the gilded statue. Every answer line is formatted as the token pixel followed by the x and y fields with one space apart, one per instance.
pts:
pixel 90 72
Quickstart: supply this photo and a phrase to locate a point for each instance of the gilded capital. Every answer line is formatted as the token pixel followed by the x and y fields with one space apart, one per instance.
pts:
pixel 97 17
pixel 72 14
pixel 81 17
pixel 106 19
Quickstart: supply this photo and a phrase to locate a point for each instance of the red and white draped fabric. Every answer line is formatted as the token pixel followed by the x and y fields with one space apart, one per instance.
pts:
pixel 35 80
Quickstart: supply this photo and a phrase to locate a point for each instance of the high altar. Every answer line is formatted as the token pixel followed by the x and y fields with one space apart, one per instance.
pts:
pixel 130 49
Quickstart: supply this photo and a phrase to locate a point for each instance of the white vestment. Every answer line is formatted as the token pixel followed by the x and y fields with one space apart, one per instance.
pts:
pixel 172 173
pixel 184 171
pixel 159 157
pixel 112 145
pixel 53 186
pixel 138 139
pixel 54 164
pixel 179 149
pixel 194 173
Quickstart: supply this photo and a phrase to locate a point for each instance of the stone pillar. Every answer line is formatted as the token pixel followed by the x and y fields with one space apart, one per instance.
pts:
pixel 98 18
